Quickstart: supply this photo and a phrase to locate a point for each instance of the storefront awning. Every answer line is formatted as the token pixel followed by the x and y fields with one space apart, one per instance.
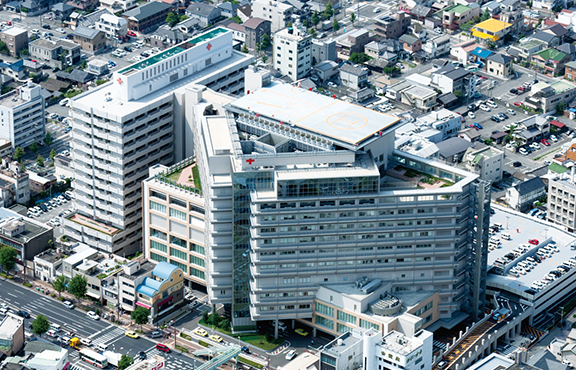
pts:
pixel 557 124
pixel 142 305
pixel 482 35
pixel 166 300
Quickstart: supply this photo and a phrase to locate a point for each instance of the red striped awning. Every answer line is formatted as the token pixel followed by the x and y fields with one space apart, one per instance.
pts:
pixel 142 305
pixel 166 300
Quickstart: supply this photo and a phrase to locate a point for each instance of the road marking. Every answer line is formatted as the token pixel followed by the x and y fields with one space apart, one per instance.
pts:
pixel 101 331
pixel 115 340
pixel 12 295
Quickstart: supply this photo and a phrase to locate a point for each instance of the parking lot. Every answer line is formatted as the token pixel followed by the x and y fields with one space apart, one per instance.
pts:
pixel 56 212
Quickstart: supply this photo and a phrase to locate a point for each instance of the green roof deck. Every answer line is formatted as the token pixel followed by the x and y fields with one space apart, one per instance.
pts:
pixel 150 61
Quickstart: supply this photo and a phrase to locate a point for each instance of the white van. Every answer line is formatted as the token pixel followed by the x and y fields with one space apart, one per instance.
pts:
pixel 100 347
pixel 65 340
pixel 505 236
pixel 55 327
pixel 3 311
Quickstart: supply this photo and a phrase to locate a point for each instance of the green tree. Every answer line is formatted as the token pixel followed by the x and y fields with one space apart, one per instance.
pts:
pixel 305 22
pixel 78 287
pixel 352 18
pixel 236 19
pixel 265 42
pixel 60 284
pixel 560 108
pixel 312 31
pixel 140 316
pixel 205 317
pixel 52 154
pixel 48 139
pixel 18 153
pixel 8 258
pixel 3 48
pixel 485 15
pixel 40 160
pixel 24 52
pixel 328 12
pixel 529 4
pixel 245 49
pixel 315 18
pixel 183 17
pixel 335 25
pixel 477 19
pixel 264 58
pixel 83 64
pixel 125 361
pixel 40 325
pixel 172 19
pixel 459 94
pixel 391 71
pixel 359 58
pixel 34 147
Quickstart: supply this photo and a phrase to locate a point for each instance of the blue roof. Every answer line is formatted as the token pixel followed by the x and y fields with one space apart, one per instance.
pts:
pixel 164 270
pixel 149 287
pixel 482 53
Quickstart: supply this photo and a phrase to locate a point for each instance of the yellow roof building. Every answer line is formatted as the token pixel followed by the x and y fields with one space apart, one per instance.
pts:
pixel 490 29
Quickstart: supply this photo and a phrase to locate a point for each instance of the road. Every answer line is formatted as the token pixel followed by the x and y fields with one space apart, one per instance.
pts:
pixel 21 298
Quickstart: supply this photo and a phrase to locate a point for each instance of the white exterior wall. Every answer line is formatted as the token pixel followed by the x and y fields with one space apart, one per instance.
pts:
pixel 293 53
pixel 23 123
pixel 276 12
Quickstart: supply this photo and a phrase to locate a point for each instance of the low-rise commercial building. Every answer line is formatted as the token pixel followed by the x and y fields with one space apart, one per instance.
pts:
pixel 561 202
pixel 420 97
pixel 146 18
pixel 392 26
pixel 544 96
pixel 11 334
pixel 352 42
pixel 113 26
pixel 14 184
pixel 47 263
pixel 278 13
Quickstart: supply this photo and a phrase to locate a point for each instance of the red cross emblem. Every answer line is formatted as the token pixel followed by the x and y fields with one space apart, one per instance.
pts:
pixel 209 46
pixel 119 81
pixel 250 161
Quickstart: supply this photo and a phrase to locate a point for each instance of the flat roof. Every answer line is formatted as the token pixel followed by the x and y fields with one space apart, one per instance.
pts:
pixel 523 228
pixel 494 361
pixel 10 324
pixel 315 112
pixel 219 135
pixel 14 31
pixel 11 99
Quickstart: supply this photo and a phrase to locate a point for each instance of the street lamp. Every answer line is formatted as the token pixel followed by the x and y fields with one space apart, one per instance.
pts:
pixel 507 219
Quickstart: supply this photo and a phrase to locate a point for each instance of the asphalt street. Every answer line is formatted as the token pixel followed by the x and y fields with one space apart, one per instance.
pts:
pixel 76 321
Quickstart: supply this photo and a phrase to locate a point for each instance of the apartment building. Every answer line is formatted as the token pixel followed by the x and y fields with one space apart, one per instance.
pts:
pixel 11 334
pixel 454 16
pixel 15 39
pixel 14 184
pixel 392 26
pixel 134 122
pixel 292 203
pixel 561 200
pixel 23 123
pixel 57 54
pixel 278 13
pixel 546 96
pixel 173 208
pixel 292 51
pixel 352 42
pixel 522 196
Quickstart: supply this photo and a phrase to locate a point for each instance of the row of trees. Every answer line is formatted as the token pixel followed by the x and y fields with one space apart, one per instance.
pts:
pixel 19 152
pixel 77 286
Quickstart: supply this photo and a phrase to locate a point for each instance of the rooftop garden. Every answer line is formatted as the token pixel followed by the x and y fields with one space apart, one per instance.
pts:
pixel 184 175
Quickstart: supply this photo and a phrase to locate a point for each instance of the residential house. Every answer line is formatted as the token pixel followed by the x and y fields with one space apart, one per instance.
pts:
pixel 568 18
pixel 463 51
pixel 452 150
pixel 436 46
pixel 62 11
pixel 521 196
pixel 47 263
pixel 14 183
pixel 323 50
pixel 15 70
pixel 188 26
pixel 352 42
pixel 206 13
pixel 15 39
pixel 77 77
pixel 567 48
pixel 550 61
pixel 488 162
pixel 90 39
pixel 491 31
pixel 527 49
pixel 480 56
pixel 277 12
pixel 392 26
pixel 354 77
pixel 228 9
pixel 410 43
pixel 256 28
pixel 36 7
pixel 570 71
pixel 420 12
pixel 493 8
pixel 511 12
pixel 418 30
pixel 116 6
pixel 446 122
pixel 447 100
pixel 451 78
pixel 532 130
pixel 244 12
pixel 454 16
pixel 146 18
pixel 374 49
pixel 469 134
pixel 57 54
pixel 238 33
pixel 83 5
pixel 559 31
pixel 549 39
pixel 325 70
pixel 114 27
pixel 499 65
pixel 166 37
pixel 420 97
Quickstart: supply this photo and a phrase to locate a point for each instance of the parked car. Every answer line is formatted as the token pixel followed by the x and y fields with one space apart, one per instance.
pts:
pixel 484 108
pixel 478 126
pixel 517 163
pixel 534 241
pixel 64 102
pixel 517 103
pixel 68 304
pixel 495 118
pixel 545 142
pixel 553 138
pixel 291 354
pixel 491 104
pixel 46 26
pixel 514 91
pixel 131 33
pixel 511 111
pixel 471 115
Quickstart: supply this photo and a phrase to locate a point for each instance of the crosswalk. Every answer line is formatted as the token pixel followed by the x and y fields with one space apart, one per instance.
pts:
pixel 439 345
pixel 172 363
pixel 109 334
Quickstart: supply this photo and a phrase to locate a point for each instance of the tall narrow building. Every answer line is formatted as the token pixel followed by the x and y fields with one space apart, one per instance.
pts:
pixel 134 122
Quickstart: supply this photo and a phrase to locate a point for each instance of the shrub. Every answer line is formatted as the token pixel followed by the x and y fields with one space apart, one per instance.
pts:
pixel 61 299
pixel 27 284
